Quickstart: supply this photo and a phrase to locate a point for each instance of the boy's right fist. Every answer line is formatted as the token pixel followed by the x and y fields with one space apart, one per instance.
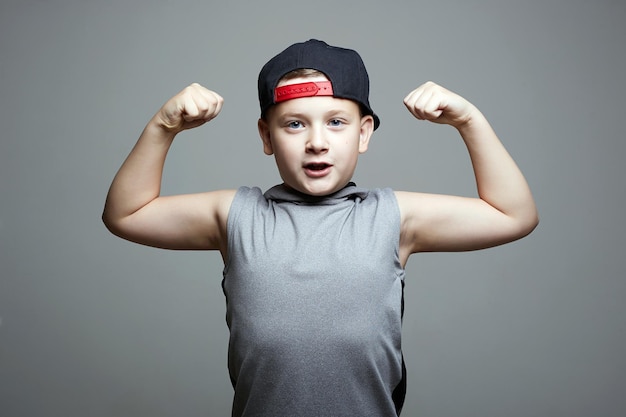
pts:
pixel 190 108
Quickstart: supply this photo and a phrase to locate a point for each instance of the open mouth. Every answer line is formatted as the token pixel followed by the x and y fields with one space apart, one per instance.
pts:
pixel 317 166
pixel 317 169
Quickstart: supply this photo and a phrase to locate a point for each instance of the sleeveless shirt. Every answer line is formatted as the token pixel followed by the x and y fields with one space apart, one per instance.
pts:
pixel 314 300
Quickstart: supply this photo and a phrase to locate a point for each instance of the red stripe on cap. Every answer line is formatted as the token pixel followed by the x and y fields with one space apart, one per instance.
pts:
pixel 310 89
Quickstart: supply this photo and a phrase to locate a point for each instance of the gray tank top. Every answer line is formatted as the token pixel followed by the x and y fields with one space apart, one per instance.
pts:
pixel 314 293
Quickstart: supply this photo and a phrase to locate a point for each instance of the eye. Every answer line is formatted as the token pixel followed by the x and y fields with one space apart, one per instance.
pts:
pixel 336 122
pixel 294 124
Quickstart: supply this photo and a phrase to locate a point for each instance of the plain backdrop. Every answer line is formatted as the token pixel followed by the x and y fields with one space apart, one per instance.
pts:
pixel 91 325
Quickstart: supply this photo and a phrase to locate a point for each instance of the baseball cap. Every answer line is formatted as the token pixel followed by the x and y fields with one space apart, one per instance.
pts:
pixel 343 67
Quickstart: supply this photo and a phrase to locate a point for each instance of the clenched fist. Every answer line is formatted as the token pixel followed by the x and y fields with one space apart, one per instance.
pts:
pixel 190 108
pixel 432 102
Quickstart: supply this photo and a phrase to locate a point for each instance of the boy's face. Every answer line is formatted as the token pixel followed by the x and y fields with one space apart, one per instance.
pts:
pixel 316 141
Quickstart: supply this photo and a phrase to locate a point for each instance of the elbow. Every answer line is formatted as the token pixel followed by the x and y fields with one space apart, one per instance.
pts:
pixel 111 224
pixel 528 225
pixel 534 224
pixel 533 221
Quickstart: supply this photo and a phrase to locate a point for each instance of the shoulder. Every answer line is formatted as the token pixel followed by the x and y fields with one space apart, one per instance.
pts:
pixel 384 199
pixel 380 207
pixel 245 194
pixel 242 199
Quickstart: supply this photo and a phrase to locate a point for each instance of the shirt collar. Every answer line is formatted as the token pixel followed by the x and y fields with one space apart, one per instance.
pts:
pixel 283 193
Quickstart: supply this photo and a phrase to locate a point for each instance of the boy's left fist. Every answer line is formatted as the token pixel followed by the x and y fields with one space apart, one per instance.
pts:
pixel 434 103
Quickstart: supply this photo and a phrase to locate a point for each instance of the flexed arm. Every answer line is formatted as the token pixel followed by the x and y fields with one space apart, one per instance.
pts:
pixel 504 210
pixel 134 209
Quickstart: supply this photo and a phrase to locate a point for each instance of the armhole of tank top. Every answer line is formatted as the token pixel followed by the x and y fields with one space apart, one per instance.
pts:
pixel 398 225
pixel 241 195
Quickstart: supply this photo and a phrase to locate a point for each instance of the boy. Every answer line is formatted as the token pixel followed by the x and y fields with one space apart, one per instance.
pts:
pixel 314 268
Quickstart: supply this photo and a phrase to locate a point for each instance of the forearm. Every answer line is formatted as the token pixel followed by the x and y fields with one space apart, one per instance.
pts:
pixel 138 181
pixel 499 181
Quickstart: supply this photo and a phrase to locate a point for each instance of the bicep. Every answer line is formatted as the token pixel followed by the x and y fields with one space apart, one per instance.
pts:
pixel 443 223
pixel 189 221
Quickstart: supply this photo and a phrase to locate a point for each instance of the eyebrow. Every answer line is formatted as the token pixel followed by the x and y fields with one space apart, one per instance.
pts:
pixel 305 115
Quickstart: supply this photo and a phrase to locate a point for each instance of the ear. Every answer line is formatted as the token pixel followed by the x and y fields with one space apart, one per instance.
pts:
pixel 367 129
pixel 264 132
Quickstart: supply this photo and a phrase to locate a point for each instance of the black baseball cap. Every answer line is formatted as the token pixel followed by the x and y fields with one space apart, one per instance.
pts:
pixel 343 67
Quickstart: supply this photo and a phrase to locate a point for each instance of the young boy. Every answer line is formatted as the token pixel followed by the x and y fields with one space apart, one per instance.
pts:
pixel 314 267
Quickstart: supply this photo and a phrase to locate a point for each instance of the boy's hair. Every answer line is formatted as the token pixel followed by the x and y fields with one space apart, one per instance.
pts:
pixel 301 73
pixel 344 69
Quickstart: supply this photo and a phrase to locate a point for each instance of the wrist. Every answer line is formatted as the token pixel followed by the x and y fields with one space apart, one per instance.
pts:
pixel 473 121
pixel 159 133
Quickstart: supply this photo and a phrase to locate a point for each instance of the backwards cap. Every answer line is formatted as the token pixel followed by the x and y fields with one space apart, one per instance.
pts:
pixel 343 67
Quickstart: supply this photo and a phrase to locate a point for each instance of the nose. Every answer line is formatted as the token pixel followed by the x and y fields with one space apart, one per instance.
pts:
pixel 316 141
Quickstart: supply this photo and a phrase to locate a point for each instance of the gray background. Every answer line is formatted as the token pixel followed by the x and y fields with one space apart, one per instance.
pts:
pixel 91 325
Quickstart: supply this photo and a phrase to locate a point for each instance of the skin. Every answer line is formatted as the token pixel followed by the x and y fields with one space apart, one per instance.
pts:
pixel 316 142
